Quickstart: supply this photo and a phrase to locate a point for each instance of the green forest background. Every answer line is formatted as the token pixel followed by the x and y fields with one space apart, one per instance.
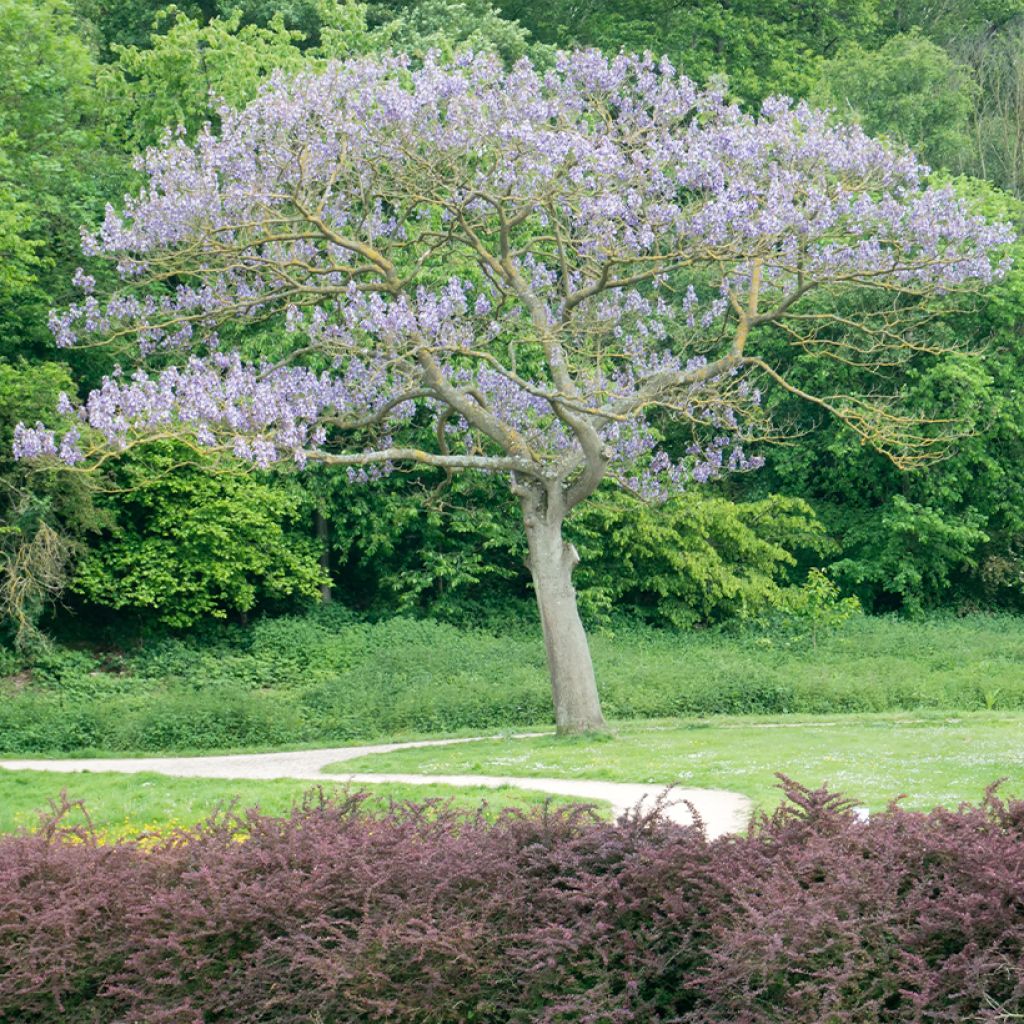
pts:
pixel 169 542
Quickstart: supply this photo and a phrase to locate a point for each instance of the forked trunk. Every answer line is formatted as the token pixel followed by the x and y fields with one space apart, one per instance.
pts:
pixel 573 687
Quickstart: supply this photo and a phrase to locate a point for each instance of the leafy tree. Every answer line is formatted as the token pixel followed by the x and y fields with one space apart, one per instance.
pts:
pixel 951 533
pixel 949 21
pixel 761 46
pixel 453 548
pixel 334 27
pixel 129 22
pixel 997 123
pixel 188 71
pixel 987 37
pixel 19 252
pixel 449 26
pixel 45 517
pixel 191 541
pixel 494 254
pixel 910 552
pixel 132 24
pixel 55 173
pixel 910 89
pixel 694 559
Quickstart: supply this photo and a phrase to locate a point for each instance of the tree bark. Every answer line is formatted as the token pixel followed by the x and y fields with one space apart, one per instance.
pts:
pixel 322 535
pixel 573 686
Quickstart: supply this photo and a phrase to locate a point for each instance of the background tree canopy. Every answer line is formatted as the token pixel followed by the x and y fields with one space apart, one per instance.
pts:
pixel 89 83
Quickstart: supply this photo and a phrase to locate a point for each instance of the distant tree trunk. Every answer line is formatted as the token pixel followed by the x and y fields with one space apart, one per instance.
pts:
pixel 321 527
pixel 573 686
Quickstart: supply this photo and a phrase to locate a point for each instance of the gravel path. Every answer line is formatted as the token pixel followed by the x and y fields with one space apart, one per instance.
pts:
pixel 721 811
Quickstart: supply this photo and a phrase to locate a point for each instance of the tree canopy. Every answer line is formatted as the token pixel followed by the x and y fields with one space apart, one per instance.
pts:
pixel 576 201
pixel 622 238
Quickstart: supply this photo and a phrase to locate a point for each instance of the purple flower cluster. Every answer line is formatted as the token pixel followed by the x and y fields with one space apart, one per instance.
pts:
pixel 263 411
pixel 617 228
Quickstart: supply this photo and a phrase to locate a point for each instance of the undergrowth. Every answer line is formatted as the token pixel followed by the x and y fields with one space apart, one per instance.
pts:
pixel 327 677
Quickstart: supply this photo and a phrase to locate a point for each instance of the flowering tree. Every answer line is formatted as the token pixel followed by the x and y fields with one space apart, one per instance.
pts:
pixel 528 264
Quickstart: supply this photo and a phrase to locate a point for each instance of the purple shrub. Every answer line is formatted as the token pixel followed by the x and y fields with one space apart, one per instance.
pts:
pixel 64 901
pixel 913 917
pixel 422 915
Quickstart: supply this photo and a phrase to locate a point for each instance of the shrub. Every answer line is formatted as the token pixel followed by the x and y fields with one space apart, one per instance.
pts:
pixel 420 915
pixel 693 559
pixel 192 542
pixel 33 723
pixel 200 721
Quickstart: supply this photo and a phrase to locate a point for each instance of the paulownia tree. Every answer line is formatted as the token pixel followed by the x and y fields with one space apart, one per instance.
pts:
pixel 533 269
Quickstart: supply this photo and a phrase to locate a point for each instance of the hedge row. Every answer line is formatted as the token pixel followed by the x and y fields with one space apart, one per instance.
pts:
pixel 423 916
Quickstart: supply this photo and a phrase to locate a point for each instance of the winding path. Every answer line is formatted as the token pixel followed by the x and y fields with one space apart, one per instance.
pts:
pixel 721 811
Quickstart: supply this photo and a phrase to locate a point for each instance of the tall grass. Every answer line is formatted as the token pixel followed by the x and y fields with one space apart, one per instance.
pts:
pixel 326 678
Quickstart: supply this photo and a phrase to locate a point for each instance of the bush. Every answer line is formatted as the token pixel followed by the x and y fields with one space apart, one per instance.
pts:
pixel 693 559
pixel 33 724
pixel 421 916
pixel 200 721
pixel 192 542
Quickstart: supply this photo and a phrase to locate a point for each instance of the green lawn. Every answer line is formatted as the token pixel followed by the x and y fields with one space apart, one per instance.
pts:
pixel 129 804
pixel 932 758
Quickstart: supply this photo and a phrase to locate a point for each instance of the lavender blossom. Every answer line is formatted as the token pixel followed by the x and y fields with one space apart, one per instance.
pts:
pixel 629 233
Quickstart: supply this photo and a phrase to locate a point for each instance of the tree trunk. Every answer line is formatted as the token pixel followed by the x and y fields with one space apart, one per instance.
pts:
pixel 573 687
pixel 320 525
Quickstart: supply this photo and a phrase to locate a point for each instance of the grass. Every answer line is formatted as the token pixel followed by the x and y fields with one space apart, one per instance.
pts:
pixel 126 805
pixel 933 709
pixel 322 679
pixel 931 758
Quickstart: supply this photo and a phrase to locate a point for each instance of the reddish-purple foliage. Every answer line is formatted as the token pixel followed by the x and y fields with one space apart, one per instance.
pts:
pixel 424 915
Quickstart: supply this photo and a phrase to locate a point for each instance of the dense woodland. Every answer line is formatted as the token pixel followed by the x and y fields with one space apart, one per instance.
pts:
pixel 168 540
